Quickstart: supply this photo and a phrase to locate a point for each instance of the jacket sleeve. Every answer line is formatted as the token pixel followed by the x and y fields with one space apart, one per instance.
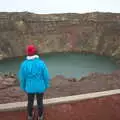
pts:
pixel 21 77
pixel 46 76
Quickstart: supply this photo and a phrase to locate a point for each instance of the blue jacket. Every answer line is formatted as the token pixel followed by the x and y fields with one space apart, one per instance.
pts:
pixel 33 75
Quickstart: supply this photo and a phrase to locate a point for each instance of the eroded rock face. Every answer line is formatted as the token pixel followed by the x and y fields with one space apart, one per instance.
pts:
pixel 7 82
pixel 92 32
pixel 61 86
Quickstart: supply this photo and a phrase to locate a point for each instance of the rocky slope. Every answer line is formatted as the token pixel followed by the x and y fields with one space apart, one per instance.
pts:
pixel 91 32
pixel 60 86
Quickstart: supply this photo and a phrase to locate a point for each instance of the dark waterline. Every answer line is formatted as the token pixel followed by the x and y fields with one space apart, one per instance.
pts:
pixel 67 64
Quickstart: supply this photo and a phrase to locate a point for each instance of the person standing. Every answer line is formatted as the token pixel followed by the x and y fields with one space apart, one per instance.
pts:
pixel 34 80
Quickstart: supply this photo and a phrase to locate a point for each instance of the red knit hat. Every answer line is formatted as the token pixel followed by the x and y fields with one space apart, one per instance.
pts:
pixel 31 50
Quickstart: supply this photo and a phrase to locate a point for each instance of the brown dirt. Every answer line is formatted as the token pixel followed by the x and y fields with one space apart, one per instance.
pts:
pixel 104 108
pixel 64 87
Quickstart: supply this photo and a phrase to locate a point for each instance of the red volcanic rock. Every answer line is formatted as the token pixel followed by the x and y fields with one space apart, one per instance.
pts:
pixel 61 86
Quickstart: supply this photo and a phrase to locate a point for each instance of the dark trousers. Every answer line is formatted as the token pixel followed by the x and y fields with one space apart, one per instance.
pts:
pixel 39 97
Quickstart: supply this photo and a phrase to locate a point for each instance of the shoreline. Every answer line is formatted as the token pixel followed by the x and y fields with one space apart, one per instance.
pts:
pixel 61 87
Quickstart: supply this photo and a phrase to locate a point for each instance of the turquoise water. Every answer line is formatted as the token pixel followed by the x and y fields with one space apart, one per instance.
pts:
pixel 67 64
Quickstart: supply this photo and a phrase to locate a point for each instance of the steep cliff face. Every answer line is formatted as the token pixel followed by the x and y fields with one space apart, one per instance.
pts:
pixel 92 32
